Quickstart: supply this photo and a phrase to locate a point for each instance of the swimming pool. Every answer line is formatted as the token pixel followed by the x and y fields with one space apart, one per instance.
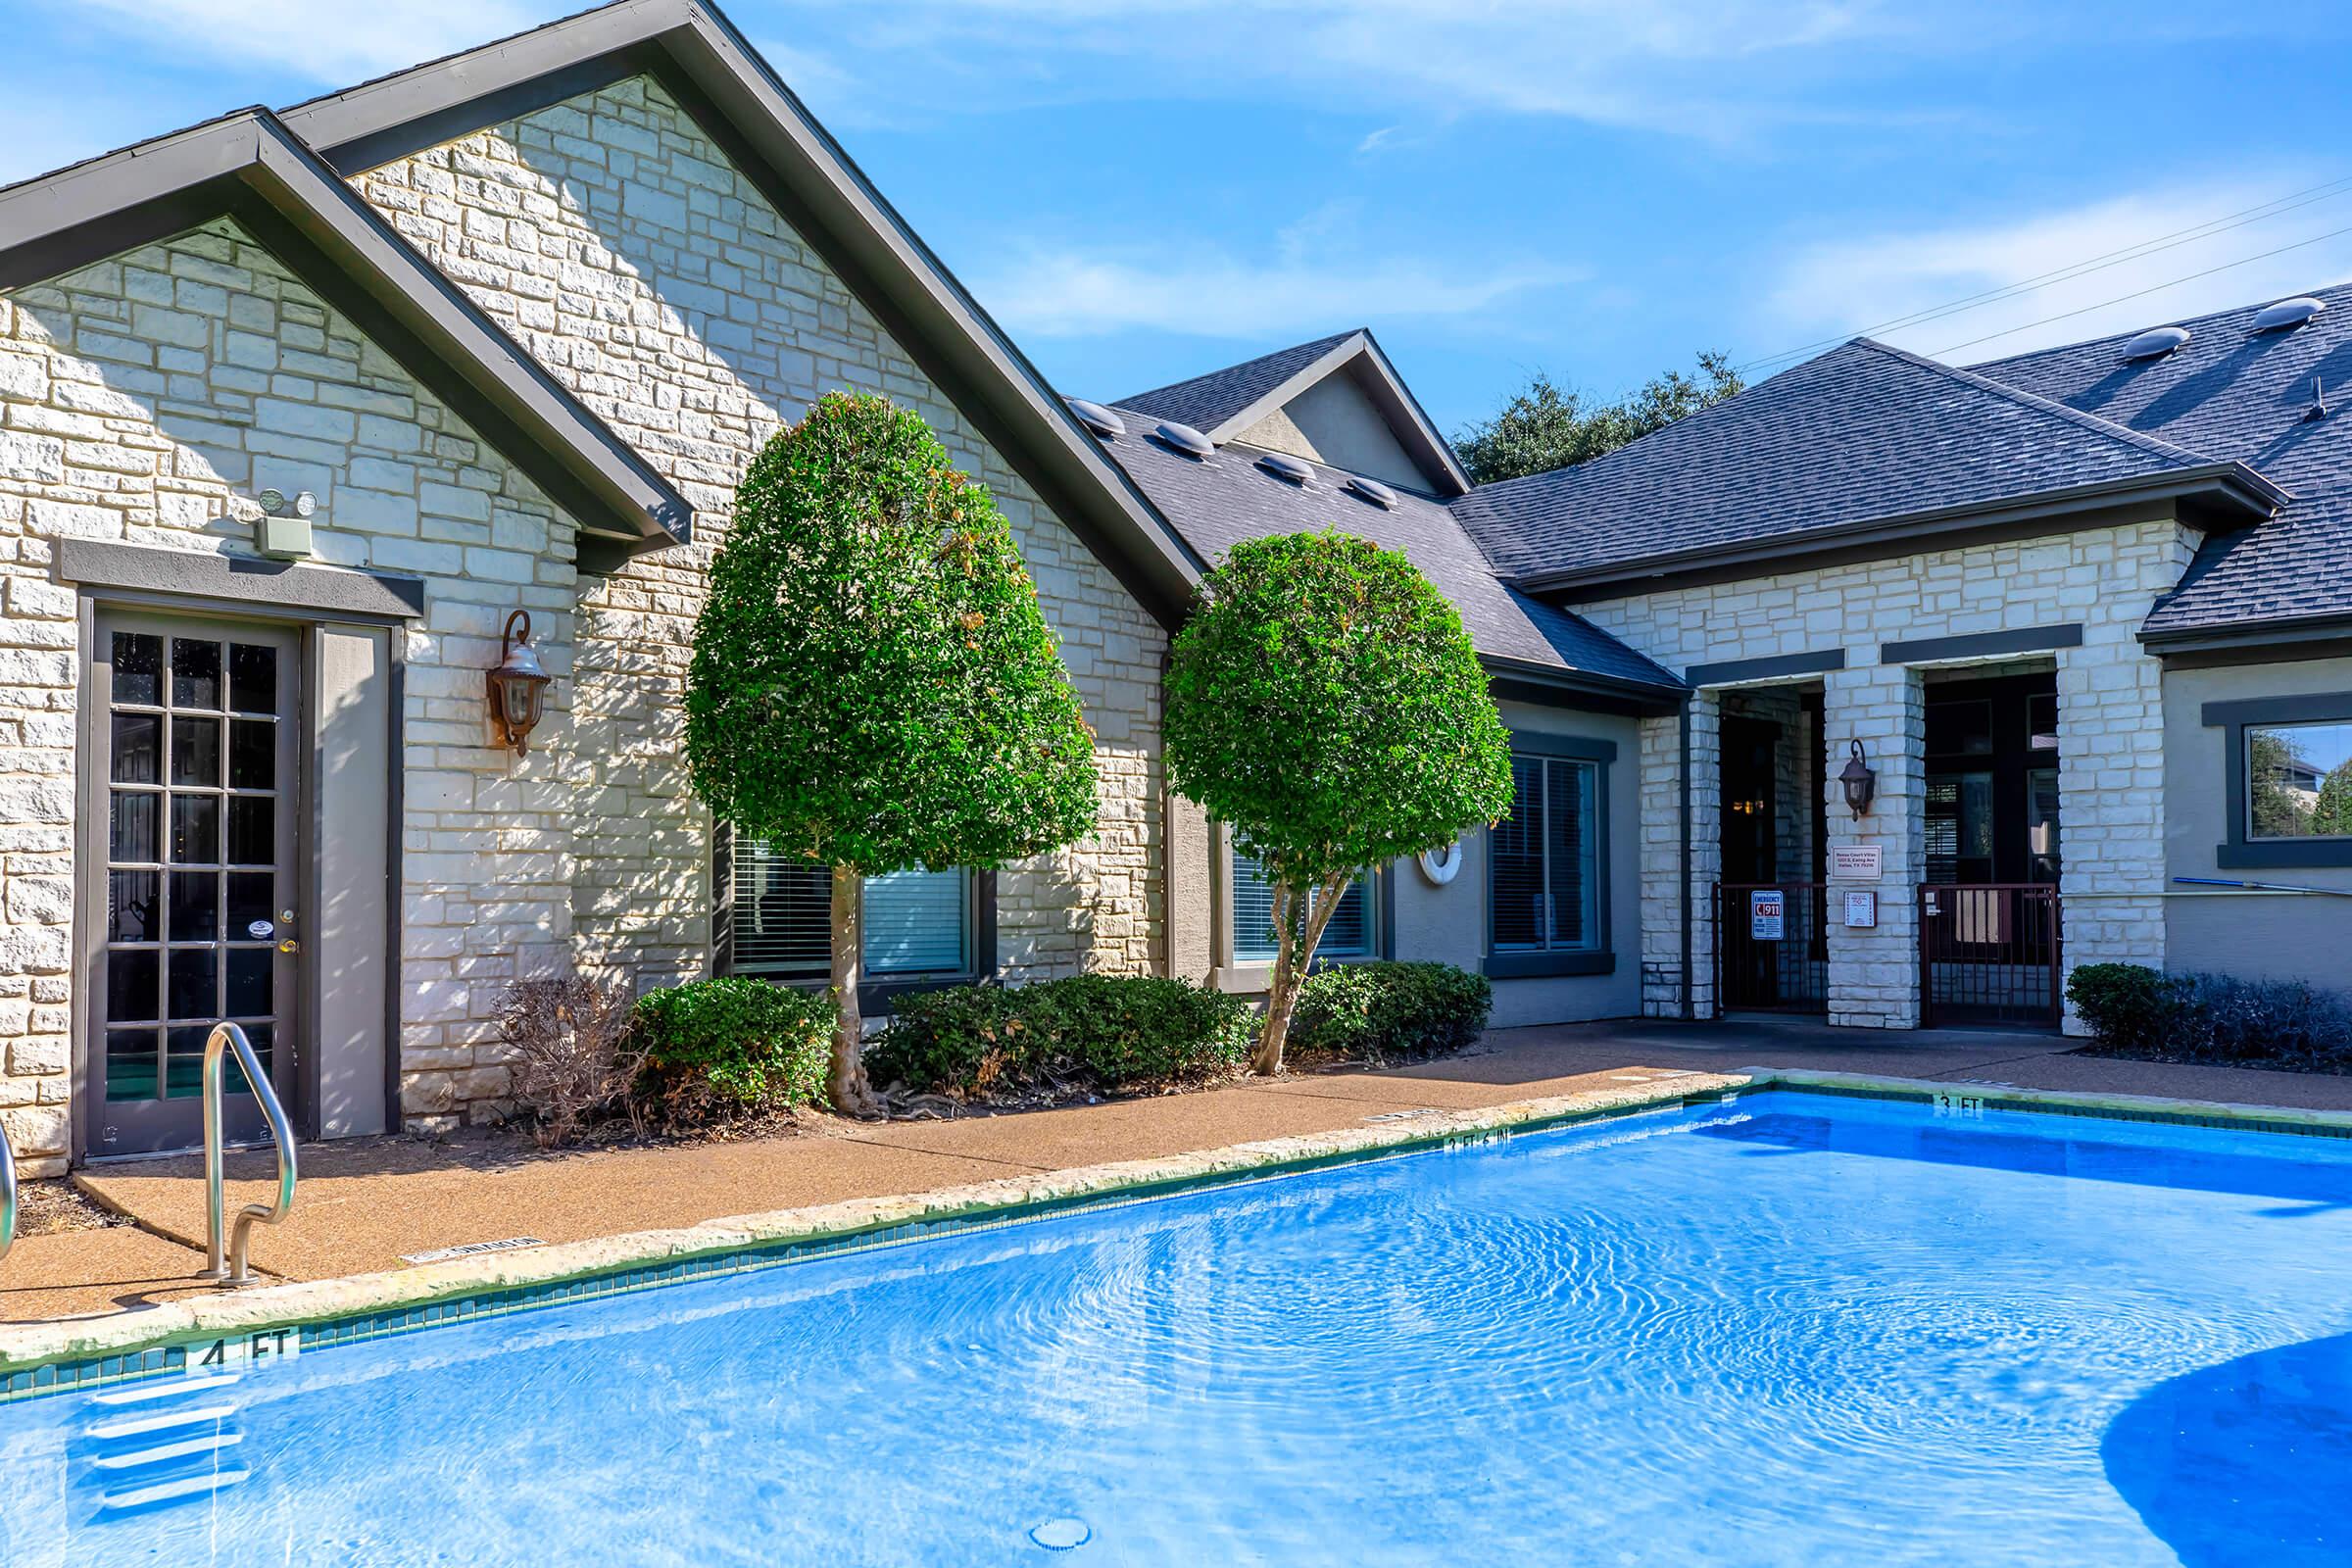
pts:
pixel 1789 1328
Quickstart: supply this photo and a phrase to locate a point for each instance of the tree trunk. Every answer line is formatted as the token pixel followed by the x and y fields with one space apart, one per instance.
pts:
pixel 852 1094
pixel 1295 939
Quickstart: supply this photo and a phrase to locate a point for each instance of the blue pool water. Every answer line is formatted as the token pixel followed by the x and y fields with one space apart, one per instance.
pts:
pixel 1785 1330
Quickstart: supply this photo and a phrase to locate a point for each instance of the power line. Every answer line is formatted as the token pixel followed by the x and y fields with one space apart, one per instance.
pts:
pixel 2290 202
pixel 2153 288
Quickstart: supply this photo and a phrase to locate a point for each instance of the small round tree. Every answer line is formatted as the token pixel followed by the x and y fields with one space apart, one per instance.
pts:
pixel 1324 703
pixel 874 686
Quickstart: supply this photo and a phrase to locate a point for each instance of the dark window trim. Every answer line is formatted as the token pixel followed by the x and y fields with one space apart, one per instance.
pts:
pixel 1601 956
pixel 874 996
pixel 2240 850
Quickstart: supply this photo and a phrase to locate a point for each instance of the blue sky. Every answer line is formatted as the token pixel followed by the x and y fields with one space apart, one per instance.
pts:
pixel 1597 188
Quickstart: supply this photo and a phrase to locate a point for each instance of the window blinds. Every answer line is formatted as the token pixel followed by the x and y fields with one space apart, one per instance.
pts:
pixel 781 923
pixel 1347 936
pixel 1541 859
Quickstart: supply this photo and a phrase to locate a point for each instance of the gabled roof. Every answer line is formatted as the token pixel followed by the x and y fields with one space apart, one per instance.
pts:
pixel 1223 404
pixel 249 167
pixel 1225 499
pixel 703 61
pixel 2251 397
pixel 1865 445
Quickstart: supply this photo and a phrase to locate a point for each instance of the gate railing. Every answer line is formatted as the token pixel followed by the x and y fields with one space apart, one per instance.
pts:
pixel 1989 953
pixel 1771 947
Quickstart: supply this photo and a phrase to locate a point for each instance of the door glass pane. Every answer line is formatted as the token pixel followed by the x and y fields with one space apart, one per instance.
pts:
pixel 192 983
pixel 132 827
pixel 1962 727
pixel 263 1038
pixel 251 678
pixel 195 672
pixel 195 829
pixel 138 748
pixel 130 911
pixel 252 754
pixel 250 973
pixel 1515 851
pixel 132 978
pixel 139 664
pixel 195 905
pixel 252 825
pixel 249 904
pixel 183 1059
pixel 2042 824
pixel 132 1057
pixel 196 751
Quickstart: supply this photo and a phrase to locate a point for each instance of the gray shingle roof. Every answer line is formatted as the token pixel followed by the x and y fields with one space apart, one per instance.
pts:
pixel 2242 397
pixel 1208 401
pixel 1865 432
pixel 1224 500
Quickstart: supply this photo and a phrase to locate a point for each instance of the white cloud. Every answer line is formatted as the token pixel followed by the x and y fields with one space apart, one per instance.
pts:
pixel 336 44
pixel 1837 289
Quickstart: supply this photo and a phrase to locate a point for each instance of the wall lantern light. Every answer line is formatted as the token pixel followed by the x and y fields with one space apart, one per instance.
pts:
pixel 518 686
pixel 1858 780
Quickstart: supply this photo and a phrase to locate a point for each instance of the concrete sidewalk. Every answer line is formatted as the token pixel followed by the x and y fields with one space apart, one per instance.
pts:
pixel 367 1205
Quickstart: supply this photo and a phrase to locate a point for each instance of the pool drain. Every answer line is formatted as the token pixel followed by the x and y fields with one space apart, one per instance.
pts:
pixel 1063 1535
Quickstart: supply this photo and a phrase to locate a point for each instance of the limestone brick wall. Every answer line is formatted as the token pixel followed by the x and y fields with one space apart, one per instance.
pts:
pixel 149 399
pixel 617 243
pixel 2110 735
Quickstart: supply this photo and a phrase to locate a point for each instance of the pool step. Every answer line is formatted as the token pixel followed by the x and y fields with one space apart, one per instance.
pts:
pixel 154 1444
pixel 168 1420
pixel 155 1494
pixel 167 1452
pixel 157 1390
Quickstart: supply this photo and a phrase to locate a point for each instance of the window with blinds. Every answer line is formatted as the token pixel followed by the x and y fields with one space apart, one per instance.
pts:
pixel 1347 936
pixel 1541 859
pixel 779 917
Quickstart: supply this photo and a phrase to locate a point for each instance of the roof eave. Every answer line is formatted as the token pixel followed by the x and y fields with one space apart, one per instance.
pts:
pixel 2298 636
pixel 698 55
pixel 1404 411
pixel 2231 488
pixel 1578 687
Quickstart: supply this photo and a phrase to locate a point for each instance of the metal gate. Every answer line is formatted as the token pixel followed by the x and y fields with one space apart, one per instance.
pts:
pixel 1771 947
pixel 1989 954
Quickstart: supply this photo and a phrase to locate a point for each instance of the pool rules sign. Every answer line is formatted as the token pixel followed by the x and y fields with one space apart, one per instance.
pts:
pixel 1767 915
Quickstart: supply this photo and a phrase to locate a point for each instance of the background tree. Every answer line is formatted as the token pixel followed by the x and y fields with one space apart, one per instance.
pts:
pixel 873 684
pixel 1324 703
pixel 1543 427
pixel 2331 812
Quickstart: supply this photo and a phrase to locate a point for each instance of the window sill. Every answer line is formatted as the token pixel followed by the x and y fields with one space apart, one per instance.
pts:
pixel 1248 979
pixel 1535 965
pixel 2278 855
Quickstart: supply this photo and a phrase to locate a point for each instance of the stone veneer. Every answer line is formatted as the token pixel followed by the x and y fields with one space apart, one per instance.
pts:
pixel 148 399
pixel 616 241
pixel 2109 739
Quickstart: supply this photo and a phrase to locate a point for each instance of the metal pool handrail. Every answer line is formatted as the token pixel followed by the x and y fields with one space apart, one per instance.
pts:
pixel 8 1195
pixel 236 1270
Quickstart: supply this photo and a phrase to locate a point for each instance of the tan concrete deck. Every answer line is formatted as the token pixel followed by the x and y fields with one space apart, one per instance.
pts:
pixel 365 1205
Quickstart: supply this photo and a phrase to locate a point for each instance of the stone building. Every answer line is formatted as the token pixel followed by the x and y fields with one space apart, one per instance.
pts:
pixel 303 414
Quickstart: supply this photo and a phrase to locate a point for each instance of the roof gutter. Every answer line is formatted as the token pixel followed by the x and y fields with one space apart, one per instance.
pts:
pixel 2233 487
pixel 2307 636
pixel 1583 688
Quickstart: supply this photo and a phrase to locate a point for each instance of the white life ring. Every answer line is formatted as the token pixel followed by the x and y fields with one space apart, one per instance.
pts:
pixel 1442 866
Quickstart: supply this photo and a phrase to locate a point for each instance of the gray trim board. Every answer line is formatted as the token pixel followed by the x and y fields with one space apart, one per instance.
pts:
pixel 273 585
pixel 701 59
pixel 1983 644
pixel 250 167
pixel 1771 667
pixel 2256 643
pixel 2240 850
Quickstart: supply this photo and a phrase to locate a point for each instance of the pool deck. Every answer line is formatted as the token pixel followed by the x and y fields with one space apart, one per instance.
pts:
pixel 374 1205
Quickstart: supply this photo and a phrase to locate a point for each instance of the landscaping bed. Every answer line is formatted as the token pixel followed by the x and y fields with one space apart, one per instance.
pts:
pixel 2146 1014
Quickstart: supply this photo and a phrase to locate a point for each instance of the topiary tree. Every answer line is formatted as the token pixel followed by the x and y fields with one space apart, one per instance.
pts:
pixel 1325 704
pixel 873 684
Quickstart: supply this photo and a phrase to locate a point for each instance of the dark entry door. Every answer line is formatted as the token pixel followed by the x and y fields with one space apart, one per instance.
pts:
pixel 193 791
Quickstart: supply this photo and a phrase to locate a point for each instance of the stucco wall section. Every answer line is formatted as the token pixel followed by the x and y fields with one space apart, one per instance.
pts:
pixel 2111 733
pixel 149 399
pixel 618 244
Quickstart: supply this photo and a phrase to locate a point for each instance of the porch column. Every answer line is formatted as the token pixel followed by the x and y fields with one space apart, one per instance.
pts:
pixel 1662 975
pixel 2111 876
pixel 1874 972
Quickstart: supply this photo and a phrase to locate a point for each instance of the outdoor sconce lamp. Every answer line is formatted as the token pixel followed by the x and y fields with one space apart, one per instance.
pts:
pixel 518 686
pixel 1858 780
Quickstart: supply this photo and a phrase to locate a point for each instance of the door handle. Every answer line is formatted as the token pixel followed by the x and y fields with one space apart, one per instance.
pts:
pixel 289 945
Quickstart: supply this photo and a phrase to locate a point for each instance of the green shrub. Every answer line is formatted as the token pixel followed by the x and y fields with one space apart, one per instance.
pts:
pixel 1391 1012
pixel 2126 1007
pixel 1093 1031
pixel 733 1043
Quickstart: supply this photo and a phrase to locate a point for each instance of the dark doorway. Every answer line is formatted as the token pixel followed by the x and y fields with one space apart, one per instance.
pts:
pixel 1771 950
pixel 1751 801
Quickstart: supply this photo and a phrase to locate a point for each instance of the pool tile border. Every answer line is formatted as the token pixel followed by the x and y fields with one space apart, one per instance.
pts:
pixel 2219 1115
pixel 78 1354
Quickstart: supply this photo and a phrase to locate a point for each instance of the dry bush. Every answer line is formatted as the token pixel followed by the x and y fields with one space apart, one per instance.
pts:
pixel 569 1050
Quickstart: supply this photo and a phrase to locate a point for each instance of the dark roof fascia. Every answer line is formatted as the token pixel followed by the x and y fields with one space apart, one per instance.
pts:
pixel 1381 383
pixel 2253 642
pixel 1523 680
pixel 699 59
pixel 2231 489
pixel 248 168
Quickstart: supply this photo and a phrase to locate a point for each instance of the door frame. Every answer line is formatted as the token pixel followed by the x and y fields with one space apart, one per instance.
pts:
pixel 290 1059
